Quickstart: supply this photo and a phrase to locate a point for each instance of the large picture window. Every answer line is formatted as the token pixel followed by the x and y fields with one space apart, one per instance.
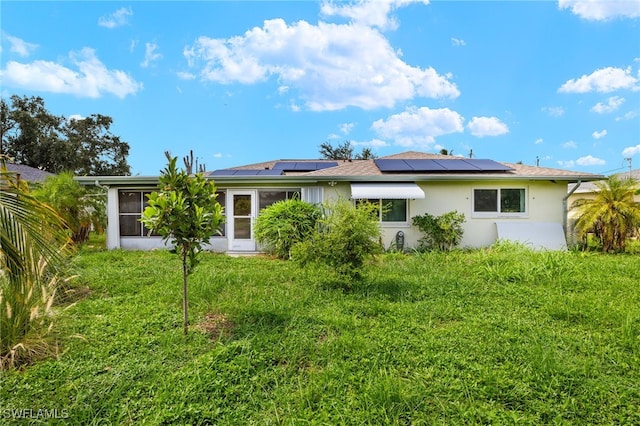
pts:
pixel 500 200
pixel 390 210
pixel 131 205
pixel 266 198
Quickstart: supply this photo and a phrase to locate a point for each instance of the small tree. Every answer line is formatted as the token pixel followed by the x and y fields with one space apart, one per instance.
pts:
pixel 440 232
pixel 612 216
pixel 184 211
pixel 346 237
pixel 285 223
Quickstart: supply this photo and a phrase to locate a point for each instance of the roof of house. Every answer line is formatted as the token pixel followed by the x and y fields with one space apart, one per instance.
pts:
pixel 30 174
pixel 591 186
pixel 371 169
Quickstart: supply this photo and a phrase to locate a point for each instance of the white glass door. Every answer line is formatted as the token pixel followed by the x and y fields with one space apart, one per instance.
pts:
pixel 240 216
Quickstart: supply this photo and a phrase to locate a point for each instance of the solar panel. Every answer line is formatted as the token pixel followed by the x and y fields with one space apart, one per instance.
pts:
pixel 303 166
pixel 440 165
pixel 392 165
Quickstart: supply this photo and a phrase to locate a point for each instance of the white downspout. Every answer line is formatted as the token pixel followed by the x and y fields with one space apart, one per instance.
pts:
pixel 565 209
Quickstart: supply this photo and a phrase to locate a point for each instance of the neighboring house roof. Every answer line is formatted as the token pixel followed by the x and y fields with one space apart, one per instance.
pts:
pixel 30 174
pixel 588 187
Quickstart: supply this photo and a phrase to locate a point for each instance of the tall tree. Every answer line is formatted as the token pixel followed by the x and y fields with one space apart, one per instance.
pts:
pixel 184 211
pixel 344 151
pixel 612 216
pixel 34 137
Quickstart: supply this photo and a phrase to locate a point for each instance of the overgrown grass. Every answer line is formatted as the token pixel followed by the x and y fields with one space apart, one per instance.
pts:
pixel 499 336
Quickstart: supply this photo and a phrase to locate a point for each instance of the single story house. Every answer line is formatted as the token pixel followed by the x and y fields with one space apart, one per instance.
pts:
pixel 499 200
pixel 28 173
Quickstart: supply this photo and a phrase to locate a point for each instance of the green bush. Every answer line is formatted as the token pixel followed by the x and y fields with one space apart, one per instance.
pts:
pixel 285 223
pixel 346 237
pixel 440 232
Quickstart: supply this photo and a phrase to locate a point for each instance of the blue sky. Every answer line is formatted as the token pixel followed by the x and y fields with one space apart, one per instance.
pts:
pixel 556 82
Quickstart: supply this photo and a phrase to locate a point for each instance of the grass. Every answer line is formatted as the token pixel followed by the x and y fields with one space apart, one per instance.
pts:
pixel 500 336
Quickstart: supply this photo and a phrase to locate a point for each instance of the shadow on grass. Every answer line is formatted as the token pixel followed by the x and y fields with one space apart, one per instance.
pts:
pixel 390 289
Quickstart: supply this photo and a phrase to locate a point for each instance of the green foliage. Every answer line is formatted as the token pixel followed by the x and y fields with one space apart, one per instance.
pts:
pixel 440 232
pixel 612 216
pixel 285 223
pixel 346 237
pixel 426 339
pixel 34 137
pixel 185 212
pixel 33 242
pixel 80 207
pixel 344 151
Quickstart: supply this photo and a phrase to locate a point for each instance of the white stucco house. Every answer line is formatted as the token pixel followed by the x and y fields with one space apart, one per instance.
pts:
pixel 499 200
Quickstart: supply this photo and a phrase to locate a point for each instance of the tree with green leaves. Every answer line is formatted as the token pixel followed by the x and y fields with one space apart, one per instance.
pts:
pixel 33 248
pixel 612 216
pixel 344 151
pixel 185 212
pixel 32 136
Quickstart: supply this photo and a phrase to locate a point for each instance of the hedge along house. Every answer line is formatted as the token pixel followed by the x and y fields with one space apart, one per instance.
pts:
pixel 499 200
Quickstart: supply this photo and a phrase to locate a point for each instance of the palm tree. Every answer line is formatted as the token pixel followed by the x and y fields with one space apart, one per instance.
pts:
pixel 612 216
pixel 33 241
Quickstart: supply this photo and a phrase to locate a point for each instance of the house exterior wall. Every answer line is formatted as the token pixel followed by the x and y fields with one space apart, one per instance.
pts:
pixel 543 204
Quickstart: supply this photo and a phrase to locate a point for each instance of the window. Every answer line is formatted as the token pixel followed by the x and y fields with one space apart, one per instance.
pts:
pixel 266 198
pixel 390 210
pixel 132 204
pixel 502 200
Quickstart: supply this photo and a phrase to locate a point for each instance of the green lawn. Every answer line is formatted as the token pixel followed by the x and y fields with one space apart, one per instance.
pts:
pixel 501 336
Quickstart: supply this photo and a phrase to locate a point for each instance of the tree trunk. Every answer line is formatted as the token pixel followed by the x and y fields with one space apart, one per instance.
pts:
pixel 184 292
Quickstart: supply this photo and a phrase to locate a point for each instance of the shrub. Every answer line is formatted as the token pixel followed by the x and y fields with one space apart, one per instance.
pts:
pixel 285 223
pixel 346 237
pixel 440 232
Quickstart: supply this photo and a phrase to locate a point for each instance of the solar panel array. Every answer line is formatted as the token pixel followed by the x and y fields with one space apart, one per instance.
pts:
pixel 440 166
pixel 245 172
pixel 303 166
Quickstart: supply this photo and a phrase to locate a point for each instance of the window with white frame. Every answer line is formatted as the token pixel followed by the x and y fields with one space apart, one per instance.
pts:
pixel 504 201
pixel 390 210
pixel 131 204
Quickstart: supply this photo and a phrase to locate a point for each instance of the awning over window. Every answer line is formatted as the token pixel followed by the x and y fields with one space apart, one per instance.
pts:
pixel 537 235
pixel 386 190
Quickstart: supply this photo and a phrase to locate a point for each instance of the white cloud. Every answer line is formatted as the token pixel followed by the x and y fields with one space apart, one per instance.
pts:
pixel 538 141
pixel 150 54
pixel 117 19
pixel 419 126
pixel 346 128
pixel 599 135
pixel 19 46
pixel 457 42
pixel 330 66
pixel 217 155
pixel 371 14
pixel 76 117
pixel 373 143
pixel 628 116
pixel 555 111
pixel 590 161
pixel 613 103
pixel 631 151
pixel 487 126
pixel 569 145
pixel 602 10
pixel 566 164
pixel 185 75
pixel 603 80
pixel 92 79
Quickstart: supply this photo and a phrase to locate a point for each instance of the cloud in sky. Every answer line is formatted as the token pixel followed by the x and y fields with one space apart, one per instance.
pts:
pixel 603 80
pixel 538 141
pixel 371 14
pixel 117 19
pixel 599 135
pixel 334 66
pixel 569 145
pixel 419 126
pixel 150 55
pixel 602 10
pixel 590 160
pixel 19 46
pixel 628 116
pixel 613 103
pixel 631 151
pixel 554 111
pixel 92 78
pixel 487 126
pixel 458 42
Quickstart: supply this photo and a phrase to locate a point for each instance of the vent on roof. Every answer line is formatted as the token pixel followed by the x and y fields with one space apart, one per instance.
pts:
pixel 440 166
pixel 244 172
pixel 303 166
